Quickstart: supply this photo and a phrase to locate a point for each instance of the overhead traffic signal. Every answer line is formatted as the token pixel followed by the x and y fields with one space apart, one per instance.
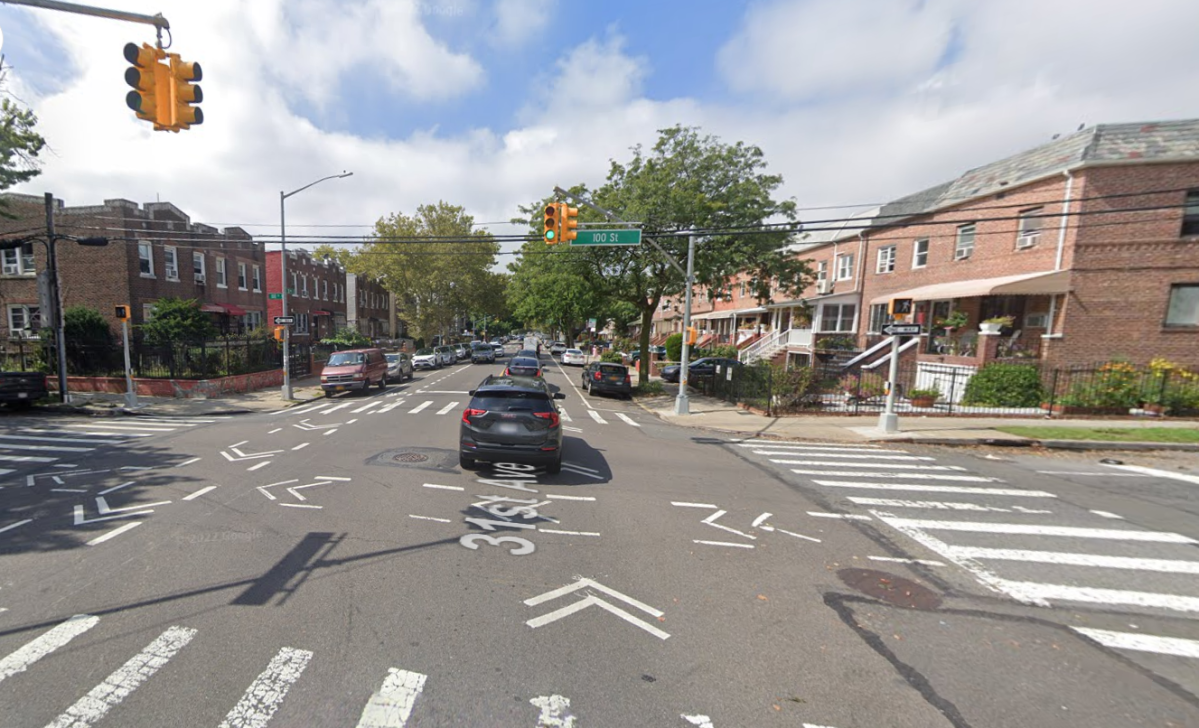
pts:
pixel 570 223
pixel 553 223
pixel 150 79
pixel 184 93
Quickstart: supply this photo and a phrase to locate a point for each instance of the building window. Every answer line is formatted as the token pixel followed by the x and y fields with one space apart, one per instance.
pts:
pixel 302 323
pixel 886 259
pixel 220 273
pixel 325 290
pixel 878 318
pixel 845 267
pixel 19 262
pixel 257 273
pixel 304 286
pixel 170 263
pixel 964 247
pixel 822 271
pixel 241 276
pixel 838 318
pixel 1190 214
pixel 147 312
pixel 252 320
pixel 22 317
pixel 1030 227
pixel 145 259
pixel 198 266
pixel 920 253
pixel 294 284
pixel 1183 309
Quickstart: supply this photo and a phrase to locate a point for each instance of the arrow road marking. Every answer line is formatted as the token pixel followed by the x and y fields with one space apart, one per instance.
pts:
pixel 262 488
pixel 591 600
pixel 103 507
pixel 306 425
pixel 555 712
pixel 710 521
pixel 702 721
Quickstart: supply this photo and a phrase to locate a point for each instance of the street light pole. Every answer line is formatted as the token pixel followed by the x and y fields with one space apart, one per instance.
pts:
pixel 60 335
pixel 283 274
pixel 682 404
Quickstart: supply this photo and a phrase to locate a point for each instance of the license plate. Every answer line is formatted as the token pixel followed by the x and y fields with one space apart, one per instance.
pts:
pixel 508 428
pixel 338 388
pixel 22 395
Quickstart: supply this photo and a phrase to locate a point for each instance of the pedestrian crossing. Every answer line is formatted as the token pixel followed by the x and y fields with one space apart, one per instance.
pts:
pixel 1019 541
pixel 141 690
pixel 415 405
pixel 54 441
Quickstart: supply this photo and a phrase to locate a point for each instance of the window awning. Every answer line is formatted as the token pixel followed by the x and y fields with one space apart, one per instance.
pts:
pixel 1025 284
pixel 234 310
pixel 228 309
pixel 727 313
pixel 321 313
pixel 212 308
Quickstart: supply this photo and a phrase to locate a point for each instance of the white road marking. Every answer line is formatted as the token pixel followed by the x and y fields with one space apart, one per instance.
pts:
pixel 43 448
pixel 555 711
pixel 59 431
pixel 391 705
pixel 891 466
pixel 684 504
pixel 711 521
pixel 304 411
pixel 448 391
pixel 893 560
pixel 579 471
pixel 67 490
pixel 389 407
pixel 798 535
pixel 330 432
pixel 900 476
pixel 702 721
pixel 860 456
pixel 134 467
pixel 200 492
pixel 1194 479
pixel 581 467
pixel 429 518
pixel 15 525
pixel 565 417
pixel 568 533
pixel 809 443
pixel 333 477
pixel 120 684
pixel 596 416
pixel 1167 566
pixel 188 462
pixel 724 543
pixel 301 446
pixel 300 505
pixel 420 407
pixel 27 459
pixel 1108 514
pixel 180 420
pixel 368 405
pixel 56 637
pixel 336 407
pixel 626 419
pixel 813 725
pixel 810 450
pixel 940 505
pixel 83 440
pixel 443 487
pixel 135 428
pixel 55 478
pixel 1121 597
pixel 1014 492
pixel 571 429
pixel 114 533
pixel 106 491
pixel 447 408
pixel 569 497
pixel 1142 642
pixel 277 429
pixel 842 516
pixel 1034 530
pixel 1081 472
pixel 758 521
pixel 262 464
pixel 268 690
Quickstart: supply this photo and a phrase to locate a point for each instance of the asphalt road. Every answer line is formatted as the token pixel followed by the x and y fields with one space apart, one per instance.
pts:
pixel 316 567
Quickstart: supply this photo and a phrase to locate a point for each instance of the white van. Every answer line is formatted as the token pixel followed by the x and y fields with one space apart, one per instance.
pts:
pixel 532 343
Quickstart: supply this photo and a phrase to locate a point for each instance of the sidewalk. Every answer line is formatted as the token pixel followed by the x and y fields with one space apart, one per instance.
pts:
pixel 265 400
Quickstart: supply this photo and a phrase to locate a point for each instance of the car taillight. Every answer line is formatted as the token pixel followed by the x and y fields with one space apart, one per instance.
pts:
pixel 551 416
pixel 597 375
pixel 468 413
pixel 507 372
pixel 628 379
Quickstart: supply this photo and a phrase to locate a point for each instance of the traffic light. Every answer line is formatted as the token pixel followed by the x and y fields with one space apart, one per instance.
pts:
pixel 279 333
pixel 899 307
pixel 150 79
pixel 692 335
pixel 553 223
pixel 122 313
pixel 184 93
pixel 570 223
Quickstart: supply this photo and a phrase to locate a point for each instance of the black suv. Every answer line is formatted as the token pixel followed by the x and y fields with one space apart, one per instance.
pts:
pixel 513 420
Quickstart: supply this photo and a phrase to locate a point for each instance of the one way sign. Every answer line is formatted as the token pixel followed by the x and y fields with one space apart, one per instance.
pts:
pixel 285 320
pixel 901 329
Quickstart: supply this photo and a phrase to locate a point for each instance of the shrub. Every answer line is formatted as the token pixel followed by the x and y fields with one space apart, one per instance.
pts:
pixel 1004 385
pixel 725 351
pixel 836 343
pixel 612 356
pixel 674 347
pixel 652 387
pixel 864 386
pixel 1114 385
pixel 933 393
pixel 347 338
pixel 795 389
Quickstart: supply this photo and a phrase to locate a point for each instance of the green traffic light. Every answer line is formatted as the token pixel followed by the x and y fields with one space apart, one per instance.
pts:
pixel 549 234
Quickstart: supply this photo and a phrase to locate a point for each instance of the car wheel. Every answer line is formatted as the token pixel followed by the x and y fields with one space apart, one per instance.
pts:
pixel 383 382
pixel 328 393
pixel 555 467
pixel 466 462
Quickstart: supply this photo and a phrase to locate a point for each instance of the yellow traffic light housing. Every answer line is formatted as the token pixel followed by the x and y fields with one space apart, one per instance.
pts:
pixel 570 223
pixel 899 307
pixel 553 223
pixel 279 333
pixel 122 313
pixel 184 93
pixel 692 336
pixel 150 79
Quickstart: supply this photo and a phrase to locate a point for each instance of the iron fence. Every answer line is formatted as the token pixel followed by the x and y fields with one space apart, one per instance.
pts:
pixel 1008 388
pixel 199 360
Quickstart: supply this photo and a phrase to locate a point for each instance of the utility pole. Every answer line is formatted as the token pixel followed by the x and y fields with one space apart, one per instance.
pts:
pixel 682 404
pixel 56 301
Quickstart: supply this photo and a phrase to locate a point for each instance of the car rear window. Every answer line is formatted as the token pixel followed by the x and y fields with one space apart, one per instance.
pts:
pixel 530 363
pixel 342 359
pixel 512 401
pixel 612 369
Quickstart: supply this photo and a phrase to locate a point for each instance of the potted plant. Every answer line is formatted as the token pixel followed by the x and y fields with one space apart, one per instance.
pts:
pixel 923 397
pixel 995 323
pixel 955 320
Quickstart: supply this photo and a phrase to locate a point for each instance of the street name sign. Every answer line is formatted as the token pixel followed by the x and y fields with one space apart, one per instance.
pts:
pixel 285 320
pixel 596 238
pixel 275 296
pixel 901 329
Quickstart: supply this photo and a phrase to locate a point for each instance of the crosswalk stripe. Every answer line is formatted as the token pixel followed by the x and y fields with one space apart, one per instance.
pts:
pixel 892 466
pixel 627 419
pixel 941 505
pixel 127 428
pixel 1032 591
pixel 336 407
pixel 306 410
pixel 596 416
pixel 917 488
pixel 44 448
pixel 59 431
pixel 856 456
pixel 905 476
pixel 1033 530
pixel 816 446
pixel 1166 566
pixel 787 443
pixel 447 408
pixel 420 407
pixel 39 647
pixel 1142 642
pixel 564 415
pixel 368 405
pixel 389 407
pixel 27 459
pixel 82 440
pixel 124 680
pixel 391 705
pixel 268 690
pixel 176 420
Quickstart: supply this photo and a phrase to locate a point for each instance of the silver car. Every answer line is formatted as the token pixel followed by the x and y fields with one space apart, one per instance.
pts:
pixel 448 356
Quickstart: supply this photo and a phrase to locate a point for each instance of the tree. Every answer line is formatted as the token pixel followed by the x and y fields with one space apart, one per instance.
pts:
pixel 178 321
pixel 691 184
pixel 89 341
pixel 347 338
pixel 19 147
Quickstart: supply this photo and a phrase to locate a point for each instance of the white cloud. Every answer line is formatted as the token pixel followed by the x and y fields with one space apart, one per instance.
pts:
pixel 520 21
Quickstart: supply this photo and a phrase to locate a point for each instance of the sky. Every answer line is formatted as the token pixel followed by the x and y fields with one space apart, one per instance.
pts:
pixel 489 104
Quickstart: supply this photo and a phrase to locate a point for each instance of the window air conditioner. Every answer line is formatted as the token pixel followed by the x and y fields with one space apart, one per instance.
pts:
pixel 200 279
pixel 1027 240
pixel 962 254
pixel 825 286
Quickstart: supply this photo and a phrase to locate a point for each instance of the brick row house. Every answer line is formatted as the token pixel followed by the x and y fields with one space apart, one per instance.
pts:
pixel 155 251
pixel 1090 243
pixel 369 308
pixel 316 294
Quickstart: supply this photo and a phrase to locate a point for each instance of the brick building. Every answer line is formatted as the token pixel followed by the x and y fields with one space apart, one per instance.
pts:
pixel 155 251
pixel 369 308
pixel 317 292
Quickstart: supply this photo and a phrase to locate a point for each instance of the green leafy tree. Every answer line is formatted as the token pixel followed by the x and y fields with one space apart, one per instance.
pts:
pixel 89 341
pixel 19 147
pixel 347 338
pixel 552 288
pixel 178 321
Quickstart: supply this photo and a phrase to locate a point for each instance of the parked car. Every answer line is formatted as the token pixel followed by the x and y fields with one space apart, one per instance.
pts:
pixel 354 369
pixel 602 376
pixel 574 356
pixel 461 351
pixel 426 359
pixel 481 353
pixel 557 348
pixel 523 367
pixel 399 367
pixel 659 353
pixel 498 346
pixel 513 420
pixel 21 389
pixel 448 356
pixel 705 367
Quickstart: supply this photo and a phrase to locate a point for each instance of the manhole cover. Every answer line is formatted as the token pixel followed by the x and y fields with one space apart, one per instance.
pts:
pixel 890 588
pixel 410 457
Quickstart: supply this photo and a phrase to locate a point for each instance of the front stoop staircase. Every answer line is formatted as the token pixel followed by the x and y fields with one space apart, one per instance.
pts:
pixel 767 347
